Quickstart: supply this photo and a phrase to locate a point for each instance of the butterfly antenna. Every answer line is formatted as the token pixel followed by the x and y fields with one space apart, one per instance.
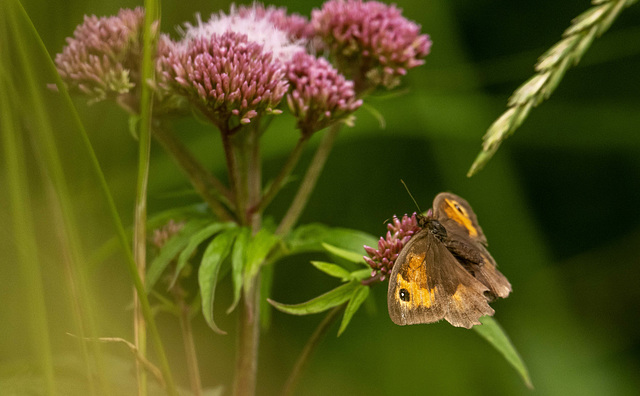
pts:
pixel 412 198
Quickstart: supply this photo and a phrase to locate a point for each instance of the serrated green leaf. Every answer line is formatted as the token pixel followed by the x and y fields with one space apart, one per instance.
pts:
pixel 348 255
pixel 321 303
pixel 215 254
pixel 194 241
pixel 257 251
pixel 170 250
pixel 238 257
pixel 358 296
pixel 332 270
pixel 496 336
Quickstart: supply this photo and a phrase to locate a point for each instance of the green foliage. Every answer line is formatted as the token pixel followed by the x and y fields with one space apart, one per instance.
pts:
pixel 491 331
pixel 214 256
pixel 183 244
pixel 238 258
pixel 325 301
pixel 355 301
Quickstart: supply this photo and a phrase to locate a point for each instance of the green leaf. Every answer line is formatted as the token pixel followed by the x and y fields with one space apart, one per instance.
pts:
pixel 495 335
pixel 194 241
pixel 332 270
pixel 348 255
pixel 309 238
pixel 321 303
pixel 215 254
pixel 170 250
pixel 238 257
pixel 360 275
pixel 349 239
pixel 359 295
pixel 257 252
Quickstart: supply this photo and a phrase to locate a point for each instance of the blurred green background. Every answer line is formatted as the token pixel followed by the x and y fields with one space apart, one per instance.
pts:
pixel 559 203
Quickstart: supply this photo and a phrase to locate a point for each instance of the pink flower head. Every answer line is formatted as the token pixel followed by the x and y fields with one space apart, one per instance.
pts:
pixel 102 59
pixel 227 77
pixel 372 42
pixel 232 67
pixel 319 94
pixel 399 232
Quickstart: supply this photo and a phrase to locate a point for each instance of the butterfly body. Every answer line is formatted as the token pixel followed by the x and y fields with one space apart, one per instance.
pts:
pixel 445 270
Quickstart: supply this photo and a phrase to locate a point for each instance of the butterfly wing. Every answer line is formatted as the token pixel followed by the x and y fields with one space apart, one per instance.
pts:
pixel 454 212
pixel 467 242
pixel 428 284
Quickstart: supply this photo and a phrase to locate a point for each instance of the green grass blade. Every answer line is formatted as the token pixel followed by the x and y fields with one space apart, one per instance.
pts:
pixel 21 216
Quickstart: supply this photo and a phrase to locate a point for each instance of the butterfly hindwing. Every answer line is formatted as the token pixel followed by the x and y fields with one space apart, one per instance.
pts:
pixel 455 213
pixel 466 240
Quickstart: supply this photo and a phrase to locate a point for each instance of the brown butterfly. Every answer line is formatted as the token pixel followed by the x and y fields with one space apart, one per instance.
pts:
pixel 445 270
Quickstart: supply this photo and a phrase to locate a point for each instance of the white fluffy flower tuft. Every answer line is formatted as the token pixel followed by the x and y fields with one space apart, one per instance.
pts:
pixel 258 29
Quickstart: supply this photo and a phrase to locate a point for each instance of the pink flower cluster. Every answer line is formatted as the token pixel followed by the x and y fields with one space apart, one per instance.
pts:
pixel 319 95
pixel 238 66
pixel 399 231
pixel 102 59
pixel 371 41
pixel 226 76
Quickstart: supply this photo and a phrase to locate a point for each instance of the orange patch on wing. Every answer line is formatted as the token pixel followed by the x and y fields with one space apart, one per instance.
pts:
pixel 460 218
pixel 419 296
pixel 458 294
pixel 415 262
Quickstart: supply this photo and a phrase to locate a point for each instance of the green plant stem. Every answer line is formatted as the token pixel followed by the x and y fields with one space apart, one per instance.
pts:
pixel 147 70
pixel 202 180
pixel 140 251
pixel 184 315
pixel 254 177
pixel 309 181
pixel 241 146
pixel 234 173
pixel 248 340
pixel 308 350
pixel 248 191
pixel 284 174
